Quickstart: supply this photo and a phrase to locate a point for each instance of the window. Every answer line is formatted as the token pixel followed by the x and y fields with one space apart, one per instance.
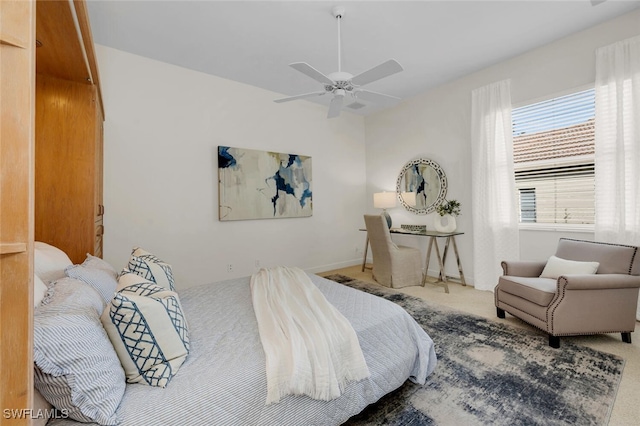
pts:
pixel 553 153
pixel 527 205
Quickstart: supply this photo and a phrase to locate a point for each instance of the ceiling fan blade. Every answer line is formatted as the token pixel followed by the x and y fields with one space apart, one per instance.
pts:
pixel 383 70
pixel 375 97
pixel 335 106
pixel 310 71
pixel 305 95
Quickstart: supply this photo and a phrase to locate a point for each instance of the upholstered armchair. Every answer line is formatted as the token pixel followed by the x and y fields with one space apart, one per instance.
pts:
pixel 393 266
pixel 574 298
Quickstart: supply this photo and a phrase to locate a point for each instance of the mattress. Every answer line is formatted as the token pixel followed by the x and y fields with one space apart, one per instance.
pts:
pixel 223 380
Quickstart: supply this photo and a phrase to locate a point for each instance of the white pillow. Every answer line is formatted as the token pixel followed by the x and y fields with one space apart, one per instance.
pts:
pixel 148 330
pixel 49 262
pixel 556 266
pixel 39 290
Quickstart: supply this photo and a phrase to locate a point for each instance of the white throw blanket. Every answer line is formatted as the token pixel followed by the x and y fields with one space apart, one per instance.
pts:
pixel 310 347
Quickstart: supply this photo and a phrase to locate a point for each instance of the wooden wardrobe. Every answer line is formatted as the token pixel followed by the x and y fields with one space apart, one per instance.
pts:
pixel 51 129
pixel 69 123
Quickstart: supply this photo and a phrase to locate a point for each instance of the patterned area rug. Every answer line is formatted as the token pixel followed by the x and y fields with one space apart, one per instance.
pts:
pixel 494 374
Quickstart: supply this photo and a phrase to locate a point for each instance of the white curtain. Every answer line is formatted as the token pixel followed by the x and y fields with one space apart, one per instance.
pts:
pixel 617 145
pixel 494 203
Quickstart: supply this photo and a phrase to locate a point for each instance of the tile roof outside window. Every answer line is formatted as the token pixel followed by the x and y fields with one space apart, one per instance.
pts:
pixel 572 141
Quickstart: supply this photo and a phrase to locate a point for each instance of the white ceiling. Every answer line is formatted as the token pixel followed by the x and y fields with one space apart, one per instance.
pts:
pixel 254 41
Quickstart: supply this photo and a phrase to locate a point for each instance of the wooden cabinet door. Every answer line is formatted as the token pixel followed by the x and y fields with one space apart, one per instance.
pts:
pixel 17 68
pixel 66 158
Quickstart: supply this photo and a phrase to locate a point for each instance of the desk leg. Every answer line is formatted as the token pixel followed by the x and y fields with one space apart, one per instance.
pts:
pixel 426 270
pixel 455 250
pixel 443 276
pixel 366 248
pixel 444 257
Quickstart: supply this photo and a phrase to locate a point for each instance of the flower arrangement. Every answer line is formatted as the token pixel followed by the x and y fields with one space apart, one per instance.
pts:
pixel 451 207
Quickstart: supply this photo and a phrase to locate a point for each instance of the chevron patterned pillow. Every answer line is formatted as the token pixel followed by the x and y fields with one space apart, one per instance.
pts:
pixel 148 330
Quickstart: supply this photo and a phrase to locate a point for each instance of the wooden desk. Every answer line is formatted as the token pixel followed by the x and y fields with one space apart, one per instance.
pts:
pixel 433 242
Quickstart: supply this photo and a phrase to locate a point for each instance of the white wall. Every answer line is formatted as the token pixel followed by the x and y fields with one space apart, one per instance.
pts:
pixel 162 128
pixel 164 123
pixel 436 125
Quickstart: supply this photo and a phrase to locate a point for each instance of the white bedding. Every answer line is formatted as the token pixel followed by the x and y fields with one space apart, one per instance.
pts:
pixel 310 347
pixel 223 381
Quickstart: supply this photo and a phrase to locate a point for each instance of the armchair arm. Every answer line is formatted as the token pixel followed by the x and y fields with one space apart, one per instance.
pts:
pixel 521 268
pixel 598 281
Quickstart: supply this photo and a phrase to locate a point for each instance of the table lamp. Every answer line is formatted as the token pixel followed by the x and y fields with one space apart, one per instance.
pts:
pixel 409 198
pixel 384 201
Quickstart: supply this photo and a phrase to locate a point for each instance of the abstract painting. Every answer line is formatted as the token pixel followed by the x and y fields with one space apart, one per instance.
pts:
pixel 257 184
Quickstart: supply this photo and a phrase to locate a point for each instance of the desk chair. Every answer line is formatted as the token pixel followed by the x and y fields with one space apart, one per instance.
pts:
pixel 393 266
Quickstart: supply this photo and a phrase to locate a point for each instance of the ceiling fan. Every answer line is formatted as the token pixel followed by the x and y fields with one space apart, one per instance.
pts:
pixel 341 84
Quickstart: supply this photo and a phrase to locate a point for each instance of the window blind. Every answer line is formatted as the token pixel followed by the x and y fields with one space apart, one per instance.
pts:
pixel 554 159
pixel 554 113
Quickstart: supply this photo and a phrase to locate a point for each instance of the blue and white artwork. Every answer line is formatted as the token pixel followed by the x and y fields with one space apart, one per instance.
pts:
pixel 257 184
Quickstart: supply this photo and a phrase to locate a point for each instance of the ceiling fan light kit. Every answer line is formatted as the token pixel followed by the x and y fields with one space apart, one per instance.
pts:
pixel 342 84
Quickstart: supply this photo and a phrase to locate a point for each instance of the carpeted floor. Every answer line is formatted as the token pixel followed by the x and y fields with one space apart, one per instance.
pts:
pixel 493 374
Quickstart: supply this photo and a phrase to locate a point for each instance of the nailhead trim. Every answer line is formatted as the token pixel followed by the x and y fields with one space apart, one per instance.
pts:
pixel 561 296
pixel 635 249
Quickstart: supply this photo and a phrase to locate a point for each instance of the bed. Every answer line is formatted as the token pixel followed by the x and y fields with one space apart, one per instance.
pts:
pixel 223 379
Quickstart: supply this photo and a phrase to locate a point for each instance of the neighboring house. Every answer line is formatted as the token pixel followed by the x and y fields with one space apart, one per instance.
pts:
pixel 552 163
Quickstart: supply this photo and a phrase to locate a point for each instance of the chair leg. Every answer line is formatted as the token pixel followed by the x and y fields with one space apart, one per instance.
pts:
pixel 626 337
pixel 554 341
pixel 500 312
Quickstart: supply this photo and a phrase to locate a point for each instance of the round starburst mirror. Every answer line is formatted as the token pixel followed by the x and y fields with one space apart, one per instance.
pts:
pixel 421 186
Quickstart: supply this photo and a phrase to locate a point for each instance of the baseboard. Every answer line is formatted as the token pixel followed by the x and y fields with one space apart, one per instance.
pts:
pixel 332 266
pixel 431 273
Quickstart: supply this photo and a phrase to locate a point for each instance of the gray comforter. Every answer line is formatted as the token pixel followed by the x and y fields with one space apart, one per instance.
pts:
pixel 223 381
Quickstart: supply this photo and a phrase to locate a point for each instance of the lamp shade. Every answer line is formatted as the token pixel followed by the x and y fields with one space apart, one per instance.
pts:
pixel 409 198
pixel 384 200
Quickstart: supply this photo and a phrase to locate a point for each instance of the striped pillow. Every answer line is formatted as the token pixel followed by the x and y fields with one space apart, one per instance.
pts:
pixel 98 274
pixel 98 263
pixel 148 330
pixel 151 268
pixel 78 370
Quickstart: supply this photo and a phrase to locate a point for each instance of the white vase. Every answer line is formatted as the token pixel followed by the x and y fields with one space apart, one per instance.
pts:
pixel 446 223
